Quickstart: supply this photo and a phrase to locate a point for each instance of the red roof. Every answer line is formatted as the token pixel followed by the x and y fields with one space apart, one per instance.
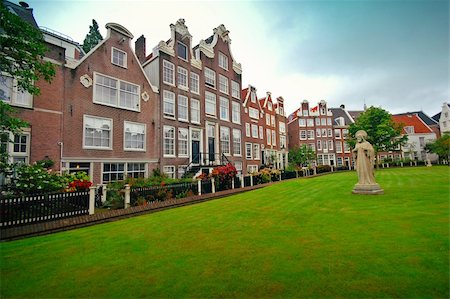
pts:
pixel 412 120
pixel 244 93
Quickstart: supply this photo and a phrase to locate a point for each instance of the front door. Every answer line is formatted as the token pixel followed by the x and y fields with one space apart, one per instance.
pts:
pixel 211 149
pixel 195 152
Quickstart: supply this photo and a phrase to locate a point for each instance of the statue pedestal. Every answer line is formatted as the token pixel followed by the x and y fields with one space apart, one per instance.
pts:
pixel 373 189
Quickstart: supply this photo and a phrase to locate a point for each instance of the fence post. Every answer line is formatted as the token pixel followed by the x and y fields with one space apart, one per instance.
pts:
pixel 92 190
pixel 315 170
pixel 199 187
pixel 213 185
pixel 232 183
pixel 296 174
pixel 242 181
pixel 127 196
pixel 104 193
pixel 251 179
pixel 279 179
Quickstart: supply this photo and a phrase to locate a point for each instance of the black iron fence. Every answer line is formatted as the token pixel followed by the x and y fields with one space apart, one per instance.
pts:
pixel 15 211
pixel 161 193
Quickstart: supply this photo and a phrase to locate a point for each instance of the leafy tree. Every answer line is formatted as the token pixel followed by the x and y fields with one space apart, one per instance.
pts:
pixel 383 133
pixel 22 49
pixel 301 156
pixel 440 146
pixel 92 38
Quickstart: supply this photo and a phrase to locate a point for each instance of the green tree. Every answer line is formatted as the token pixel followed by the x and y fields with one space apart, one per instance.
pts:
pixel 301 156
pixel 22 49
pixel 382 132
pixel 92 38
pixel 440 146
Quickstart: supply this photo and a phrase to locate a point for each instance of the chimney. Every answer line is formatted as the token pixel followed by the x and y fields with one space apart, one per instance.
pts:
pixel 139 48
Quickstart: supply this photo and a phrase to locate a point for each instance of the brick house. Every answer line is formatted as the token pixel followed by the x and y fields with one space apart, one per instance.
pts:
pixel 253 122
pixel 443 119
pixel 313 127
pixel 173 68
pixel 341 121
pixel 110 112
pixel 44 112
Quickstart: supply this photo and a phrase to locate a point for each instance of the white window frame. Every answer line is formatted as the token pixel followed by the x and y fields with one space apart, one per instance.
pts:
pixel 223 61
pixel 274 137
pixel 235 90
pixel 302 135
pixel 269 136
pixel 195 83
pixel 256 152
pixel 110 142
pixel 168 101
pixel 338 145
pixel 253 113
pixel 223 84
pixel 224 108
pixel 210 102
pixel 272 120
pixel 210 77
pixel 195 111
pixel 247 147
pixel 186 51
pixel 183 106
pixel 282 127
pixel 337 133
pixel 182 141
pixel 235 112
pixel 169 170
pixel 237 143
pixel 182 78
pixel 16 93
pixel 171 152
pixel 310 134
pixel 130 125
pixel 225 140
pixel 310 122
pixel 119 91
pixel 255 131
pixel 267 119
pixel 247 130
pixel 261 132
pixel 302 122
pixel 113 57
pixel 168 73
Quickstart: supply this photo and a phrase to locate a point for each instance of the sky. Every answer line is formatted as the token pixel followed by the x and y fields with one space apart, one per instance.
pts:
pixel 392 54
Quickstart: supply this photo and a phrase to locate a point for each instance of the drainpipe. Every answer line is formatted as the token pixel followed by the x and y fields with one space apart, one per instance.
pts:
pixel 61 146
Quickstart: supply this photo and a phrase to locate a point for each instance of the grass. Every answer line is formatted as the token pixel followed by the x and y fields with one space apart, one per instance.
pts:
pixel 300 238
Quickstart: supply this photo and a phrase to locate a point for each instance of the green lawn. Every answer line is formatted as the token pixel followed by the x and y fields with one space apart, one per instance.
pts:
pixel 301 238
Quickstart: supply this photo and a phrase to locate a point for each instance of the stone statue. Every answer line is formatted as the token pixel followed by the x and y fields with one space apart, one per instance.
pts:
pixel 364 156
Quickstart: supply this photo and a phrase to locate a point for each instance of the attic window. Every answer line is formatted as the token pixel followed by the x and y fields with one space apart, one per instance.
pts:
pixel 119 57
pixel 409 129
pixel 253 97
pixel 182 51
pixel 223 61
pixel 269 106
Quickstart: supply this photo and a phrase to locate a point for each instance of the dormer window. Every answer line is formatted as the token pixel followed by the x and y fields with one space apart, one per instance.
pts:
pixel 269 106
pixel 223 61
pixel 182 51
pixel 409 129
pixel 119 57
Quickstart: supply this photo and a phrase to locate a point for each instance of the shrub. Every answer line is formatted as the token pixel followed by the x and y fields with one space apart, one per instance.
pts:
pixel 79 181
pixel 32 179
pixel 323 168
pixel 224 175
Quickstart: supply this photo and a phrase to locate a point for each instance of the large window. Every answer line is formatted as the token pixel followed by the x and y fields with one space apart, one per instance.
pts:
pixel 310 122
pixel 134 136
pixel 168 103
pixel 97 132
pixel 195 83
pixel 237 142
pixel 256 152
pixel 282 126
pixel 136 170
pixel 247 130
pixel 254 131
pixel 223 61
pixel 302 134
pixel 224 109
pixel 182 78
pixel 183 108
pixel 119 57
pixel 169 141
pixel 248 151
pixel 235 90
pixel 254 113
pixel 225 140
pixel 261 132
pixel 223 84
pixel 113 172
pixel 195 111
pixel 302 122
pixel 183 135
pixel 310 134
pixel 338 147
pixel 269 135
pixel 168 72
pixel 169 171
pixel 210 104
pixel 117 93
pixel 274 137
pixel 182 51
pixel 283 141
pixel 10 93
pixel 267 119
pixel 337 133
pixel 236 112
pixel 19 149
pixel 210 77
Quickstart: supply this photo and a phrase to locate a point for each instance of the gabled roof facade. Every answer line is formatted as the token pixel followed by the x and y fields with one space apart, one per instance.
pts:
pixel 413 120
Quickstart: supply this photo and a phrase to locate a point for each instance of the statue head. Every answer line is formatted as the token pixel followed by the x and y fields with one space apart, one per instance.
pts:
pixel 361 135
